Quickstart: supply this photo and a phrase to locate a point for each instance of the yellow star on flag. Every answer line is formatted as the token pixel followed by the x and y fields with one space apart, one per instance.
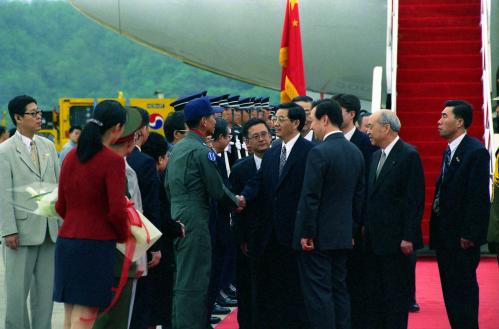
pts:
pixel 293 3
pixel 295 23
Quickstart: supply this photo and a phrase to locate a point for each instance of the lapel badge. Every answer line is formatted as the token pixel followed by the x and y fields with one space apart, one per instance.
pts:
pixel 458 160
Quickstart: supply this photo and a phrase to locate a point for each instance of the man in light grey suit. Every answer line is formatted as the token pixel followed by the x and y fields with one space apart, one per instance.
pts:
pixel 28 240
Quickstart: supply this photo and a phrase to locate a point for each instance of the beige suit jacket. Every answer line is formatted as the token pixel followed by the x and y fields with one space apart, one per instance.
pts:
pixel 17 169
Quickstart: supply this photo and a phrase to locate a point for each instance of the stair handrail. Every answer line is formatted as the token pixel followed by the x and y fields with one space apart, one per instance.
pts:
pixel 392 30
pixel 488 136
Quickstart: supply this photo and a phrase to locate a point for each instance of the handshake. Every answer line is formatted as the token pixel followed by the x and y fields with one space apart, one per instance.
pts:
pixel 241 204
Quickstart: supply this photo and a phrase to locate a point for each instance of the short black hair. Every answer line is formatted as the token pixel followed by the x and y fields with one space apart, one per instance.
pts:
pixel 363 114
pixel 221 128
pixel 73 128
pixel 17 105
pixel 174 121
pixel 12 131
pixel 295 112
pixel 331 108
pixel 2 130
pixel 253 122
pixel 462 110
pixel 351 103
pixel 155 146
pixel 305 98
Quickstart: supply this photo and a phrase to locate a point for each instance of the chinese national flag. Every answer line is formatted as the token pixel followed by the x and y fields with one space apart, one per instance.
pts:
pixel 290 55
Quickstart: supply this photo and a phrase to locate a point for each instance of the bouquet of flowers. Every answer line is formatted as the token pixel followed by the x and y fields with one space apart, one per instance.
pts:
pixel 36 198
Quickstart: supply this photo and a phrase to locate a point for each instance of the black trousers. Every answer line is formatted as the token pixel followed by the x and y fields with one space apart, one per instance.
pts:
pixel 412 279
pixel 356 283
pixel 457 268
pixel 279 293
pixel 246 291
pixel 323 277
pixel 388 281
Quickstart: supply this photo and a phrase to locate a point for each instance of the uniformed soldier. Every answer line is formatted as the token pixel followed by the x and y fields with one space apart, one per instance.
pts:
pixel 181 102
pixel 192 180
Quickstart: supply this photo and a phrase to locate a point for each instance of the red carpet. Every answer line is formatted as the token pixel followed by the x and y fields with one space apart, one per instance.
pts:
pixel 439 59
pixel 429 296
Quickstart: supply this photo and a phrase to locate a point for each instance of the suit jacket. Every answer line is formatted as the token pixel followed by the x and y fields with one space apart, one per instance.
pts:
pixel 464 198
pixel 149 185
pixel 332 196
pixel 362 141
pixel 281 194
pixel 395 201
pixel 17 169
pixel 245 223
pixel 220 214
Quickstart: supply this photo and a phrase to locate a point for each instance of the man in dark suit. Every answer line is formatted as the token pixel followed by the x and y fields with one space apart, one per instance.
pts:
pixel 306 103
pixel 149 186
pixel 279 182
pixel 258 138
pixel 330 207
pixel 395 202
pixel 350 109
pixel 460 213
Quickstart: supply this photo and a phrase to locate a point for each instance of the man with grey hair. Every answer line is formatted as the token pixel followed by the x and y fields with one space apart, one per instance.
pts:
pixel 392 222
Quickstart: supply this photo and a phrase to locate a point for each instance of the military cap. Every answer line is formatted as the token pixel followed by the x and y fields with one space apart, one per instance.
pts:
pixel 246 103
pixel 132 124
pixel 198 108
pixel 180 102
pixel 232 101
pixel 265 102
pixel 257 102
pixel 218 100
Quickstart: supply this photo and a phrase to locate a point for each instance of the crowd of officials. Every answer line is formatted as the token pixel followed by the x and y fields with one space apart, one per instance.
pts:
pixel 304 215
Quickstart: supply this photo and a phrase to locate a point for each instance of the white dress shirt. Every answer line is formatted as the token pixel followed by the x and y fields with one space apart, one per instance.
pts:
pixel 289 145
pixel 349 134
pixel 454 144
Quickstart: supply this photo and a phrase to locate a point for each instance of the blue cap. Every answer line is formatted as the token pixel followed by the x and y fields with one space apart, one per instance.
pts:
pixel 179 103
pixel 198 108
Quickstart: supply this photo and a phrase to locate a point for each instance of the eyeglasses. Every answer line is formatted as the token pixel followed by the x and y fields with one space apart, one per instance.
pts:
pixel 279 119
pixel 33 114
pixel 261 135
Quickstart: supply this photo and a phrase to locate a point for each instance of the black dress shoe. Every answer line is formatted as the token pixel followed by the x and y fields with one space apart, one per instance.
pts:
pixel 226 302
pixel 215 319
pixel 230 291
pixel 414 308
pixel 219 310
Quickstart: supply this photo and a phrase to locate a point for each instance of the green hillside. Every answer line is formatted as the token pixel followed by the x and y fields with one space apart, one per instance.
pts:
pixel 49 50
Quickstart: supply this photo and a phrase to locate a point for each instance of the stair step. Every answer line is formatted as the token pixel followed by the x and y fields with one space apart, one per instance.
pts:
pixel 440 61
pixel 435 104
pixel 443 47
pixel 436 2
pixel 438 88
pixel 439 21
pixel 438 75
pixel 439 33
pixel 439 9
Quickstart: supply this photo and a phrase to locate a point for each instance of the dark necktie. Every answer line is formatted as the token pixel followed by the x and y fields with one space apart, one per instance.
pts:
pixel 381 162
pixel 444 169
pixel 282 160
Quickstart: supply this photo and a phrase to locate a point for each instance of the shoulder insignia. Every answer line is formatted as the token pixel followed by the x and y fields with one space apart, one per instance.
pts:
pixel 212 156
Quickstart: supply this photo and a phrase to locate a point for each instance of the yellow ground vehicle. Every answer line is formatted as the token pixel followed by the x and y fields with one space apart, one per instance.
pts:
pixel 77 111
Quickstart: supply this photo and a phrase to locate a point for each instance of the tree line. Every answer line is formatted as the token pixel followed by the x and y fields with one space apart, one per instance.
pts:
pixel 49 50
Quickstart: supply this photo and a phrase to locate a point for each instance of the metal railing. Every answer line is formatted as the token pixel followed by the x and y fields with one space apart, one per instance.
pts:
pixel 490 142
pixel 392 27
